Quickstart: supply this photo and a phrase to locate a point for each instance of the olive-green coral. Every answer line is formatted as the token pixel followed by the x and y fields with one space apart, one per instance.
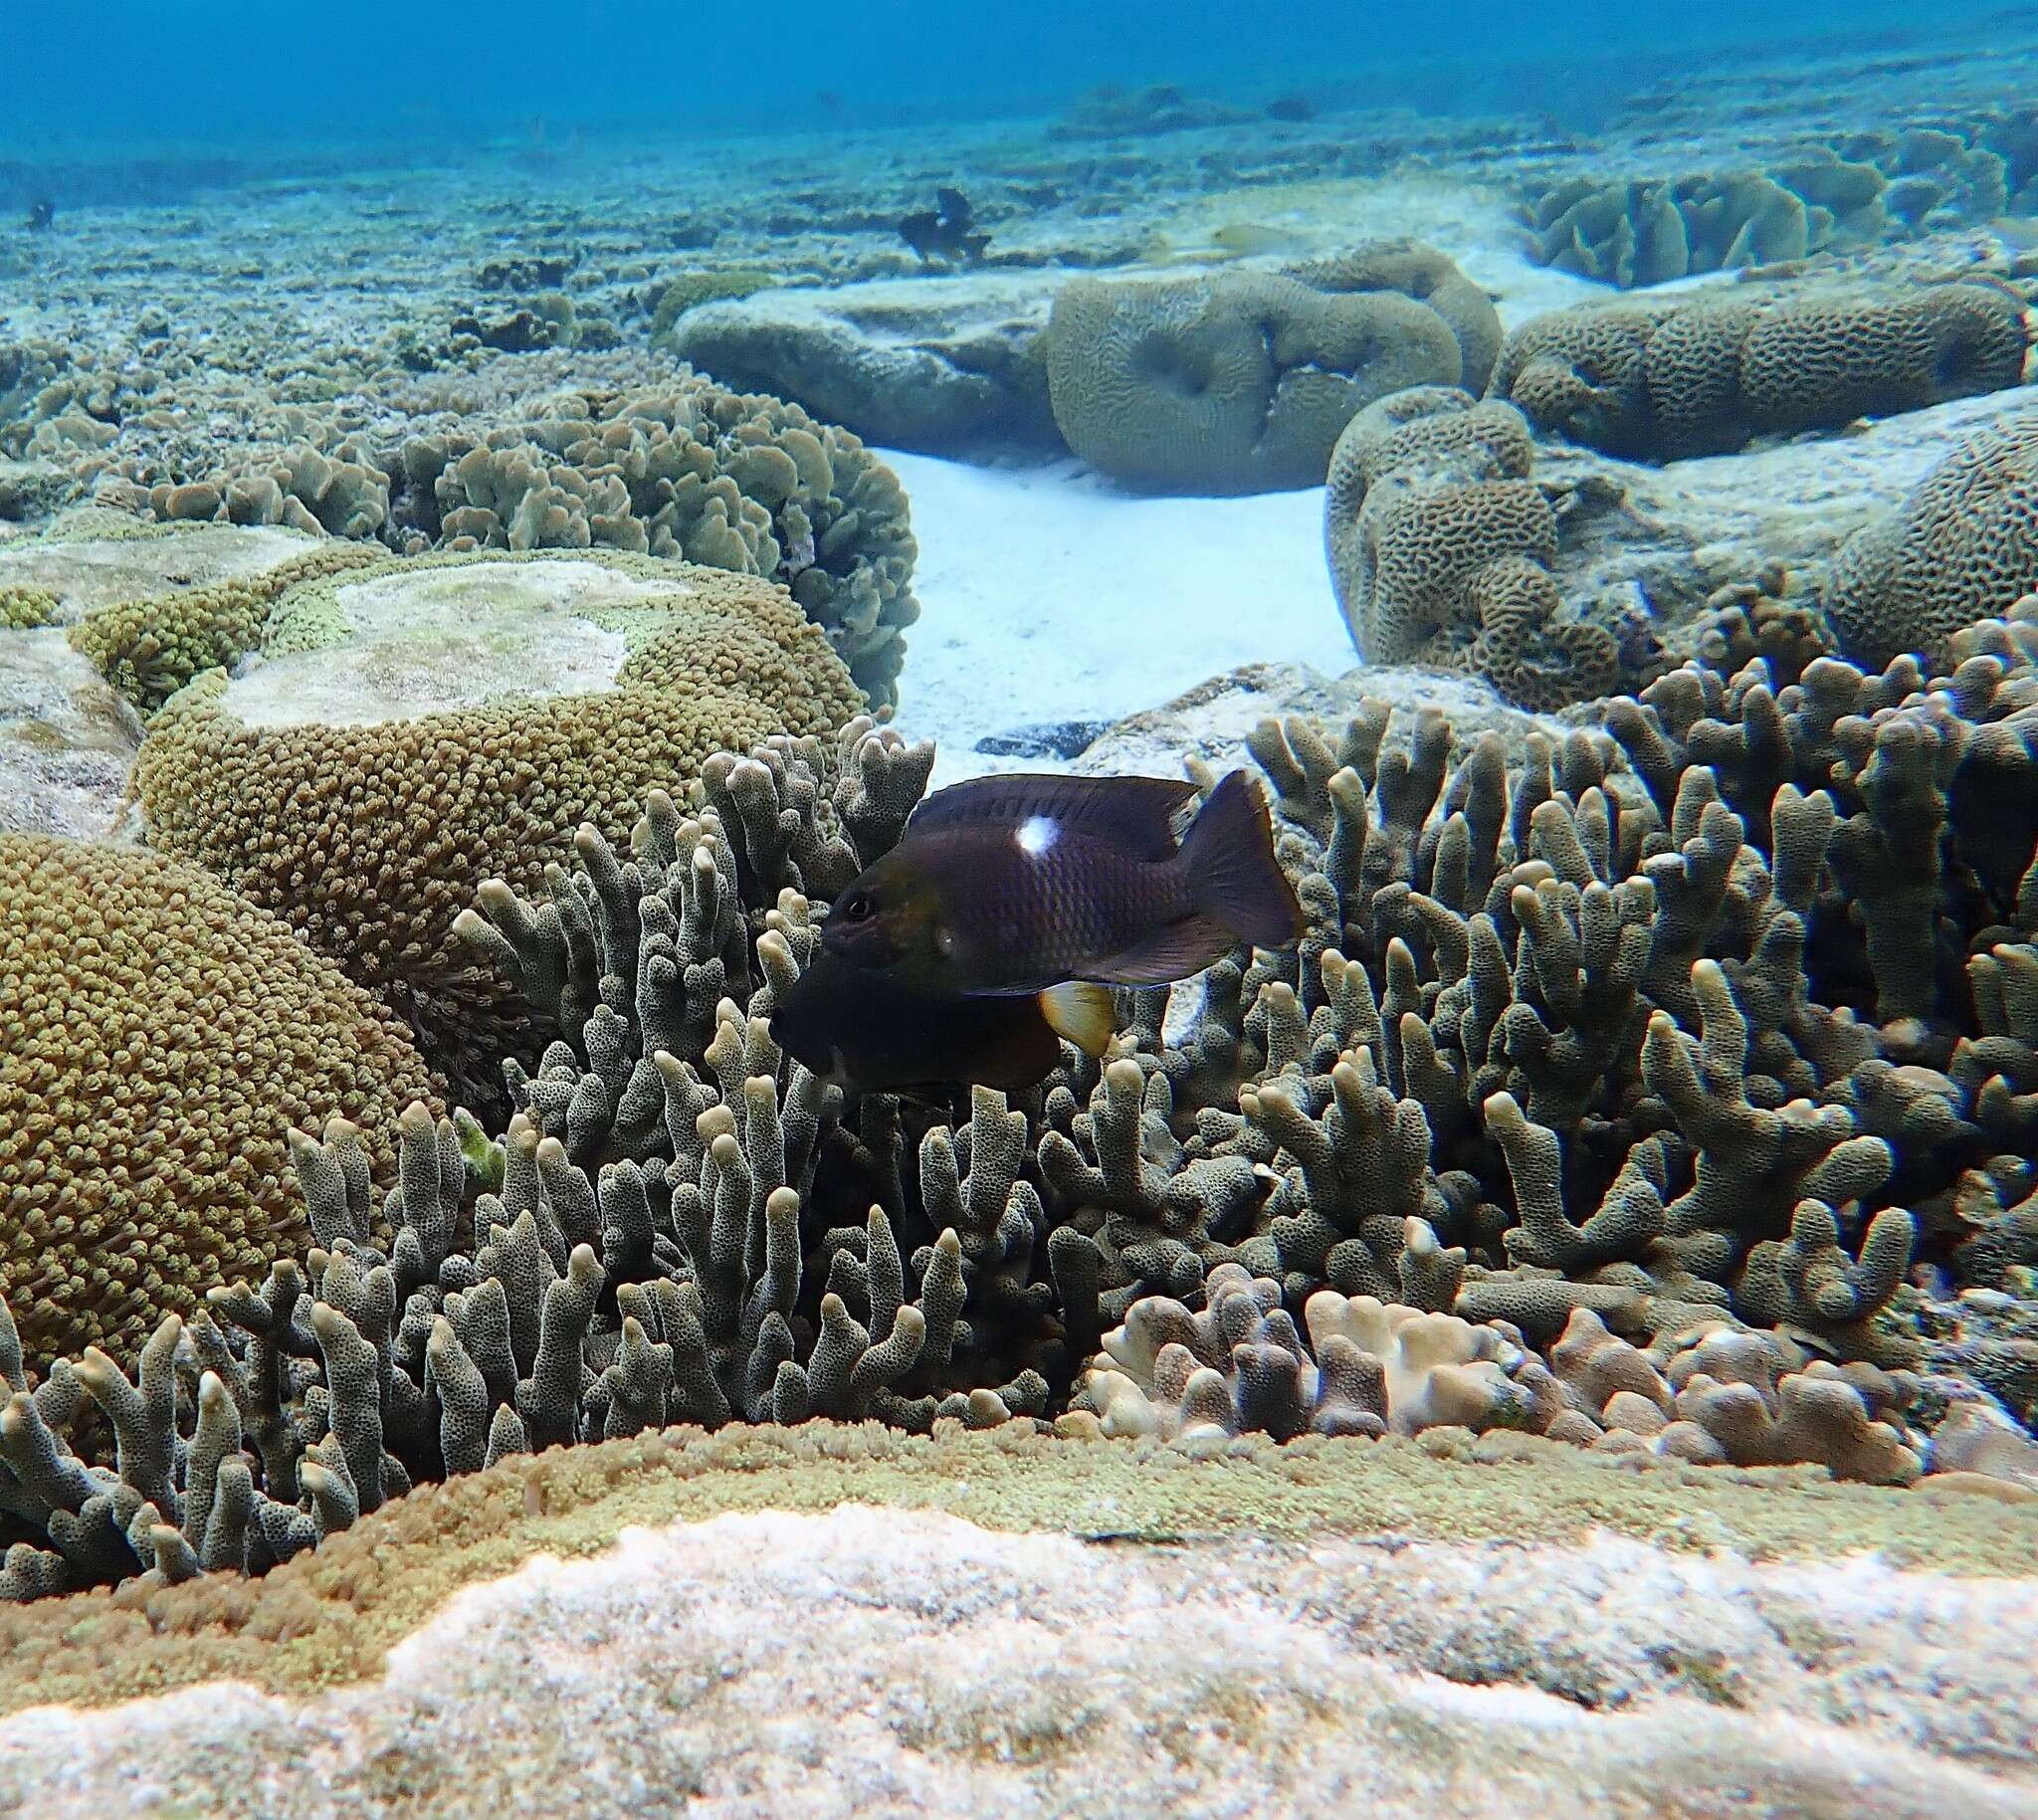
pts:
pixel 1705 376
pixel 22 609
pixel 687 291
pixel 158 1035
pixel 1416 269
pixel 149 648
pixel 1440 549
pixel 421 726
pixel 1235 383
pixel 1961 548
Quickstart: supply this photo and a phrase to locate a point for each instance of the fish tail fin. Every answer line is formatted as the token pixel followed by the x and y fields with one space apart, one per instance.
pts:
pixel 1234 879
pixel 1082 1011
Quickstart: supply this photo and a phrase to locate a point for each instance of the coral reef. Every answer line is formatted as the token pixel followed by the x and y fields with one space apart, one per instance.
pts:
pixel 420 724
pixel 1962 547
pixel 1412 269
pixel 157 1037
pixel 1621 1107
pixel 1857 190
pixel 1236 381
pixel 686 470
pixel 1703 375
pixel 1440 549
pixel 1647 231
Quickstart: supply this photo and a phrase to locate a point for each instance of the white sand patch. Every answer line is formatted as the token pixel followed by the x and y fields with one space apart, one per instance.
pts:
pixel 1048 595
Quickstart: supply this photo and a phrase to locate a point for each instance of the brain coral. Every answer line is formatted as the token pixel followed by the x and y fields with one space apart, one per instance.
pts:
pixel 1421 271
pixel 1237 382
pixel 158 1038
pixel 1659 381
pixel 1964 546
pixel 1440 549
pixel 421 724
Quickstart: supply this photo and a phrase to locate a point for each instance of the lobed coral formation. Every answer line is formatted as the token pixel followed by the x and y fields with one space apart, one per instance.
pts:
pixel 157 1035
pixel 1241 381
pixel 1412 268
pixel 1703 375
pixel 1441 549
pixel 420 724
pixel 1964 546
pixel 687 471
pixel 1855 191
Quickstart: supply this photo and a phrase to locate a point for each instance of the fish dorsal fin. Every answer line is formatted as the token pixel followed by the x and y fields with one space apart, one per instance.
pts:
pixel 1082 1011
pixel 1142 815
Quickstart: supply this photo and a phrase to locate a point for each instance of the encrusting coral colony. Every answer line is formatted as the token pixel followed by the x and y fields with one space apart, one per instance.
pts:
pixel 1663 1083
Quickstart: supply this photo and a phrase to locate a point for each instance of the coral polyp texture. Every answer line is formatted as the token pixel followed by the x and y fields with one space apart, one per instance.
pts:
pixel 1442 549
pixel 417 726
pixel 1964 546
pixel 1241 381
pixel 158 1037
pixel 1706 374
pixel 1635 1096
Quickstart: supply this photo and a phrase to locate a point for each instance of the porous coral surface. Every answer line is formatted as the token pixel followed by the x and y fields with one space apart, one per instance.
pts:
pixel 422 724
pixel 161 1035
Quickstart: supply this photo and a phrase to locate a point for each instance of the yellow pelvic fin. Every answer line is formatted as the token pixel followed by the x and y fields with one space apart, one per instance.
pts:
pixel 1081 1011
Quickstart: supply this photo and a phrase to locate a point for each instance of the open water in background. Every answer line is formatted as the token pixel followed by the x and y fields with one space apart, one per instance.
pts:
pixel 84 79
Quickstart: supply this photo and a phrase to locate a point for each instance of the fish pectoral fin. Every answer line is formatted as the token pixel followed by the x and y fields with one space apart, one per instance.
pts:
pixel 1169 953
pixel 1082 1011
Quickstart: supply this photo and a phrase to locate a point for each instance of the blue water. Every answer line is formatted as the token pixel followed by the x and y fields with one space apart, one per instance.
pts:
pixel 82 79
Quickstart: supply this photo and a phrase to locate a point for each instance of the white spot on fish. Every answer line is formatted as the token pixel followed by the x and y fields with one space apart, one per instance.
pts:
pixel 1037 833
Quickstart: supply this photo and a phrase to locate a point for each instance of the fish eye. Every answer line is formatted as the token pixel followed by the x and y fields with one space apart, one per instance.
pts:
pixel 859 909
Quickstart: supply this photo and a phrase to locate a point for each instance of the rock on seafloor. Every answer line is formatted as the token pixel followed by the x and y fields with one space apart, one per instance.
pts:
pixel 941 365
pixel 1212 720
pixel 66 739
pixel 96 570
pixel 871 1662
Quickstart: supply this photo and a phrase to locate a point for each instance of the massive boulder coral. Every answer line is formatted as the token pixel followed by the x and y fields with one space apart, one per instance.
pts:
pixel 1413 269
pixel 1442 549
pixel 1231 382
pixel 158 1035
pixel 943 365
pixel 418 725
pixel 1707 374
pixel 1962 547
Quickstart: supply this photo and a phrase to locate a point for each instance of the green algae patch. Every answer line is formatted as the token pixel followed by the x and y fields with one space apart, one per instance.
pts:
pixel 330 1616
